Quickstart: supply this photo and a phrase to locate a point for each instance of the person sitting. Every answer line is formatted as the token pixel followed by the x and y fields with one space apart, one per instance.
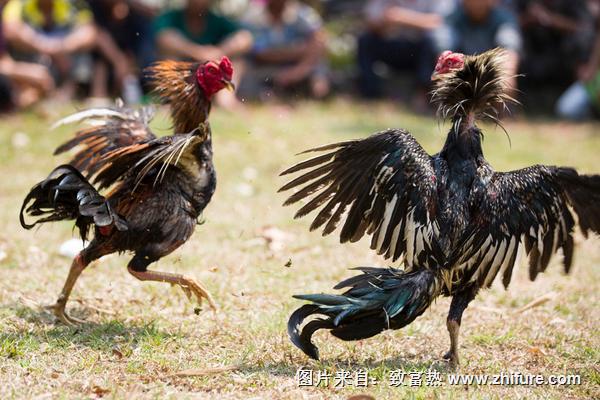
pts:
pixel 129 24
pixel 289 49
pixel 581 100
pixel 21 83
pixel 197 33
pixel 61 33
pixel 556 39
pixel 400 34
pixel 479 25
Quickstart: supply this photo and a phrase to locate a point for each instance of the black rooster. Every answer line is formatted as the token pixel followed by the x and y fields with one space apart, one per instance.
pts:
pixel 159 186
pixel 456 223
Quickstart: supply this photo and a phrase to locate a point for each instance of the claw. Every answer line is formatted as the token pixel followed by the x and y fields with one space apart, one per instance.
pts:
pixel 187 292
pixel 200 293
pixel 58 309
pixel 452 358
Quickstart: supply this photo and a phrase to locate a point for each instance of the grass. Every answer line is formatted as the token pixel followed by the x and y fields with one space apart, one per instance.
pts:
pixel 140 335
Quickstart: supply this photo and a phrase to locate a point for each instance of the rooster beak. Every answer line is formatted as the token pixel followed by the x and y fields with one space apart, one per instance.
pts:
pixel 435 76
pixel 228 85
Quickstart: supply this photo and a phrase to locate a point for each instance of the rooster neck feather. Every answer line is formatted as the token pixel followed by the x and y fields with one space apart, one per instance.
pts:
pixel 175 84
pixel 478 90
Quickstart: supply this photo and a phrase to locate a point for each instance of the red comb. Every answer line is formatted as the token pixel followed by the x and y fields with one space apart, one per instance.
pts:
pixel 226 68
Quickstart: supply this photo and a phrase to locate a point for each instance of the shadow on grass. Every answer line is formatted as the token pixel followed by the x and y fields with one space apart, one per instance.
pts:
pixel 106 336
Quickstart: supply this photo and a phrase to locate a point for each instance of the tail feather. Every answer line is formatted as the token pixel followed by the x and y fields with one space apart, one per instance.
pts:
pixel 66 195
pixel 378 299
pixel 302 338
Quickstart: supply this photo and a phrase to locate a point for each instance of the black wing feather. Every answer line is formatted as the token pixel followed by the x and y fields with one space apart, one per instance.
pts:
pixel 385 183
pixel 528 206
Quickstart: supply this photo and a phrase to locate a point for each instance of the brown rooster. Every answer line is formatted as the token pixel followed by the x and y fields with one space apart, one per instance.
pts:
pixel 158 186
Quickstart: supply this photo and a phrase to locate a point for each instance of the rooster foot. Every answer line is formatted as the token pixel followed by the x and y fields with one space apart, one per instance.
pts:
pixel 58 309
pixel 191 287
pixel 452 358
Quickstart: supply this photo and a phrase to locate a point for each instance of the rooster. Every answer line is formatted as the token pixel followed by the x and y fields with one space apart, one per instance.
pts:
pixel 159 187
pixel 454 221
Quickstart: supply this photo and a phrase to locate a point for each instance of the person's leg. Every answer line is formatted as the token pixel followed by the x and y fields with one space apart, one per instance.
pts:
pixel 574 103
pixel 424 51
pixel 307 62
pixel 27 82
pixel 99 83
pixel 257 82
pixel 425 54
pixel 320 85
pixel 399 54
pixel 6 94
pixel 367 55
pixel 143 45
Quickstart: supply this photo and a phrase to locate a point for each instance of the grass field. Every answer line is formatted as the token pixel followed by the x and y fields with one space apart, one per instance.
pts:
pixel 141 339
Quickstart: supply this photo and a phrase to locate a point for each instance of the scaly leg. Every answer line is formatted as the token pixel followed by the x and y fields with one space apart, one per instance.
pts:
pixel 460 301
pixel 188 285
pixel 58 308
pixel 452 354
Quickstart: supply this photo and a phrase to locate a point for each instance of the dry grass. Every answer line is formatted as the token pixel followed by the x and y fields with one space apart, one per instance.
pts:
pixel 142 339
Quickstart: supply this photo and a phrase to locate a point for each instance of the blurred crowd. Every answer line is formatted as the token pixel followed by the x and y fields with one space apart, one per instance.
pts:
pixel 97 49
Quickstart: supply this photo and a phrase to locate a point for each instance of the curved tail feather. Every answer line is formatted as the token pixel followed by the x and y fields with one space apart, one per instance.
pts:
pixel 378 299
pixel 65 194
pixel 302 338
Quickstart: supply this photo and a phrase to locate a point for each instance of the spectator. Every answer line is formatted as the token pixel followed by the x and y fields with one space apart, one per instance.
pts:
pixel 399 34
pixel 61 34
pixel 557 35
pixel 288 49
pixel 197 33
pixel 21 84
pixel 582 99
pixel 479 25
pixel 129 24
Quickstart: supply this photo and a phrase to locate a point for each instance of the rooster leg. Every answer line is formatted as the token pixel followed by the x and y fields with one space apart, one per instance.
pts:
pixel 460 301
pixel 58 308
pixel 189 285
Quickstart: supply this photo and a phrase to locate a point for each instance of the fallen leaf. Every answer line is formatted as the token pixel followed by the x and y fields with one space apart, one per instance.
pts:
pixel 116 352
pixel 536 351
pixel 536 302
pixel 99 391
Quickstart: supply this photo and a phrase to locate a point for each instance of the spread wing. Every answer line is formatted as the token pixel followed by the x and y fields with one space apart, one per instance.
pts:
pixel 528 207
pixel 384 186
pixel 110 129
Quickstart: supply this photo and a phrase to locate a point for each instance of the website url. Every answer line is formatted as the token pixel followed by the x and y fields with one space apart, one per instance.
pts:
pixel 514 378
